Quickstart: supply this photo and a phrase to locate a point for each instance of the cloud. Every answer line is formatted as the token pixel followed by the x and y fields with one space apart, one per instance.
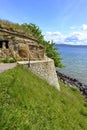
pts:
pixel 84 27
pixel 73 38
pixel 54 36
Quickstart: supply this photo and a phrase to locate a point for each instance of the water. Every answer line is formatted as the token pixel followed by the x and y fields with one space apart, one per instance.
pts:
pixel 75 61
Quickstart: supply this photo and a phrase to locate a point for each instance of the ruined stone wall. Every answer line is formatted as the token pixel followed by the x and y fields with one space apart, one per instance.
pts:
pixel 20 46
pixel 46 70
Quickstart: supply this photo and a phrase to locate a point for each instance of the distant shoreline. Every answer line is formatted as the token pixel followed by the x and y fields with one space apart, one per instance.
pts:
pixel 70 45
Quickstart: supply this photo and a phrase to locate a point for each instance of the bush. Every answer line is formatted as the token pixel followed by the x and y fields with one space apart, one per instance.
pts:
pixel 7 60
pixel 12 60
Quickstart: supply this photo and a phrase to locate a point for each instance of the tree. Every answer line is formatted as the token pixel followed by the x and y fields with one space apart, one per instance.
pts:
pixel 34 30
pixel 51 51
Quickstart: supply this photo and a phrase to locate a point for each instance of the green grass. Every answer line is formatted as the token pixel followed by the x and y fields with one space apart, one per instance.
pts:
pixel 30 103
pixel 14 26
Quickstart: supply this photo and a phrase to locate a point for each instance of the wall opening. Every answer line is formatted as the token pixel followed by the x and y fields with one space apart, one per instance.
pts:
pixel 0 44
pixel 4 44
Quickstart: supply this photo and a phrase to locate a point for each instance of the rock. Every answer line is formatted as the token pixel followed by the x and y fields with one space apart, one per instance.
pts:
pixel 86 91
pixel 86 99
pixel 73 82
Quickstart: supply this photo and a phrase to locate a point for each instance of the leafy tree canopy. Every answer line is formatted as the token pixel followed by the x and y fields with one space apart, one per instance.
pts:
pixel 51 51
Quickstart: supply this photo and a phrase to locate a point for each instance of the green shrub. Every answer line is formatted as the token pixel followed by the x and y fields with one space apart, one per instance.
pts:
pixel 5 60
pixel 11 60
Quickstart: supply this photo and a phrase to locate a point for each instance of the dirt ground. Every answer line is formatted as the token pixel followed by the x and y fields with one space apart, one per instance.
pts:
pixel 6 66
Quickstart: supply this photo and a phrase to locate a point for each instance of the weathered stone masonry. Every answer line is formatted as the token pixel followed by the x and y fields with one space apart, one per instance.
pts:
pixel 44 69
pixel 20 46
pixel 24 48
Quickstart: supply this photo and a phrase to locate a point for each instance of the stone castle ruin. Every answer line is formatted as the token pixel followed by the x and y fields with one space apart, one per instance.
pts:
pixel 22 47
pixel 19 46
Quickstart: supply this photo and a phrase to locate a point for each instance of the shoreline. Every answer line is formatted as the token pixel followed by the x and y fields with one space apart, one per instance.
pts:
pixel 72 82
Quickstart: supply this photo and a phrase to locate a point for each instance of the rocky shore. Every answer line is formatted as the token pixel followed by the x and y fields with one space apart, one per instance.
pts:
pixel 73 82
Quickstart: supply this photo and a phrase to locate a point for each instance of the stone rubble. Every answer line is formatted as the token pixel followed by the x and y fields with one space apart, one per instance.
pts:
pixel 73 82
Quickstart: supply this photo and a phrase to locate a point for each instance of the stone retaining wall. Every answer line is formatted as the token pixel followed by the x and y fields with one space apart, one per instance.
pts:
pixel 44 69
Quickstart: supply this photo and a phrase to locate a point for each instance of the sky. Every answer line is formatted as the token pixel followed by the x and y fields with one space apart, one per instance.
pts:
pixel 63 21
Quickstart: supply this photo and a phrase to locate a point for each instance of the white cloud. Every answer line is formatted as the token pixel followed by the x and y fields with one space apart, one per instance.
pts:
pixel 84 27
pixel 55 36
pixel 73 38
pixel 76 38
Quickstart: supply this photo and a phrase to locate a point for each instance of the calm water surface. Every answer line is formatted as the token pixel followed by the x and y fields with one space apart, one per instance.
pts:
pixel 75 61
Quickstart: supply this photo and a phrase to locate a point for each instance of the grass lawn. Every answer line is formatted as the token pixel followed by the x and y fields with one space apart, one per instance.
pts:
pixel 30 103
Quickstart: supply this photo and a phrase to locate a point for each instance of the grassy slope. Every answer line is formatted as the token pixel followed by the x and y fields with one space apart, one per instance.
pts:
pixel 14 26
pixel 30 103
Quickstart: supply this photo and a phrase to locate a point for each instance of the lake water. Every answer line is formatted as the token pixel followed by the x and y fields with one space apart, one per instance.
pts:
pixel 75 61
